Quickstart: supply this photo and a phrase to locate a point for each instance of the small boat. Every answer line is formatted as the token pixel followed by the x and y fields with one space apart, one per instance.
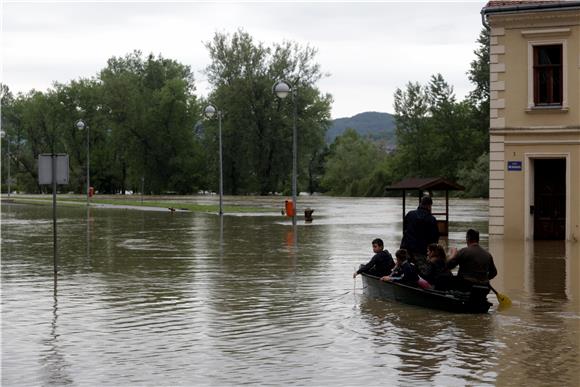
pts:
pixel 451 301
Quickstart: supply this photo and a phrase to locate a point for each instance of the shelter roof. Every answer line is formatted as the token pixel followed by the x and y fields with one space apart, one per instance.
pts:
pixel 426 183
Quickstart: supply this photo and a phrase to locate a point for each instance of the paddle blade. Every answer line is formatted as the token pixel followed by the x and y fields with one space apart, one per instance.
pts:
pixel 504 301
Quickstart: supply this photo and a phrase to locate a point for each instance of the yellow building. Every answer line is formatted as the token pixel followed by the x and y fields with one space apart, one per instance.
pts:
pixel 534 119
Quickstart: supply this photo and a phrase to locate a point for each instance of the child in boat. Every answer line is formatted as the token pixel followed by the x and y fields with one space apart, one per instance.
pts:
pixel 436 273
pixel 380 264
pixel 404 272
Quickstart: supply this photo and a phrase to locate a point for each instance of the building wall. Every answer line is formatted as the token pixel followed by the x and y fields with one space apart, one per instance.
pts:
pixel 521 132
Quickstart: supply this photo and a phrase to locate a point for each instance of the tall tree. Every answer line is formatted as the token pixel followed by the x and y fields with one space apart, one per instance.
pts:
pixel 413 131
pixel 436 135
pixel 153 111
pixel 478 74
pixel 350 162
pixel 257 128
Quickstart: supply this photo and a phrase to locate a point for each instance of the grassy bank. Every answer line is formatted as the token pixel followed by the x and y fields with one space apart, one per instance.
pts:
pixel 75 200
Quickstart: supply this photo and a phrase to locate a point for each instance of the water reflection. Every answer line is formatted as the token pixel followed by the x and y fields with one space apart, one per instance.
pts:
pixel 543 278
pixel 221 236
pixel 427 345
pixel 542 268
pixel 55 366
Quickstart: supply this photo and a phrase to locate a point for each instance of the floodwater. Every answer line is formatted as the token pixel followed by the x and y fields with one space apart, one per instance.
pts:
pixel 162 298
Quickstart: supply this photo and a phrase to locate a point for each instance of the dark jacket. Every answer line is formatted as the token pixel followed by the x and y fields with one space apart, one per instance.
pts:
pixel 420 230
pixel 475 264
pixel 437 274
pixel 380 264
pixel 406 274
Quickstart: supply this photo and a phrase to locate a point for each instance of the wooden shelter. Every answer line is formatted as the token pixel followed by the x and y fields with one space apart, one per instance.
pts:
pixel 429 184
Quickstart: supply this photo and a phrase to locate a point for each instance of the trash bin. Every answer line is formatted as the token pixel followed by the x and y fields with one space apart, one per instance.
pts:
pixel 289 207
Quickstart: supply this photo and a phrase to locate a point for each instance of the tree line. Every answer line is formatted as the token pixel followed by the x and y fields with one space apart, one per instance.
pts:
pixel 146 132
pixel 436 136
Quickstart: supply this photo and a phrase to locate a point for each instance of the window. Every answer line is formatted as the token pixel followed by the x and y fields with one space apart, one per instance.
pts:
pixel 548 75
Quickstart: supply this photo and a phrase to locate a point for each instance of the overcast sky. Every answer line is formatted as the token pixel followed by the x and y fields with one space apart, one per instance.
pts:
pixel 368 49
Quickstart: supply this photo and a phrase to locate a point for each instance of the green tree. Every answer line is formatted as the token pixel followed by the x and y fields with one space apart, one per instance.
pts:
pixel 152 112
pixel 257 128
pixel 414 131
pixel 478 74
pixel 476 177
pixel 350 164
pixel 36 126
pixel 477 105
pixel 436 135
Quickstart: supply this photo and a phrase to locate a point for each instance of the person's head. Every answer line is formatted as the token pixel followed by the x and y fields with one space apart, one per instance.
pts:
pixel 378 245
pixel 401 255
pixel 472 236
pixel 435 252
pixel 426 202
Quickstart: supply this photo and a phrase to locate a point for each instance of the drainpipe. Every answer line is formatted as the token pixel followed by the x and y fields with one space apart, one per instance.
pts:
pixel 484 19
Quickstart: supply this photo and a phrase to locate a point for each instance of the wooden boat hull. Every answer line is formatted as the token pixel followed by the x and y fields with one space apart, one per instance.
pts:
pixel 472 303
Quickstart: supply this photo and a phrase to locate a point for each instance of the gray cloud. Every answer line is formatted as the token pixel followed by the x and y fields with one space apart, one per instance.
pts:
pixel 369 49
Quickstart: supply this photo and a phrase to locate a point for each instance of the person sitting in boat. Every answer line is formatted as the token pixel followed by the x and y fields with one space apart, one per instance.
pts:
pixel 436 272
pixel 380 264
pixel 476 266
pixel 404 272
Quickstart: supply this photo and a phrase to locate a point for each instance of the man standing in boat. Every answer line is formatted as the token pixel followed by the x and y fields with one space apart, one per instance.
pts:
pixel 419 231
pixel 476 266
pixel 381 263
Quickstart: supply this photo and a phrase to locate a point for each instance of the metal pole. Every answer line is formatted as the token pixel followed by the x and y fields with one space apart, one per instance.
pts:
pixel 54 249
pixel 447 211
pixel 88 166
pixel 404 197
pixel 294 161
pixel 88 234
pixel 9 161
pixel 221 163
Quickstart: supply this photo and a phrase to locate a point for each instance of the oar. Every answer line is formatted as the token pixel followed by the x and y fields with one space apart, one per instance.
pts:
pixel 504 301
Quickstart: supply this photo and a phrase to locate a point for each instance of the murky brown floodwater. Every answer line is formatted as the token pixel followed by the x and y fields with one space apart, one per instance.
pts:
pixel 160 298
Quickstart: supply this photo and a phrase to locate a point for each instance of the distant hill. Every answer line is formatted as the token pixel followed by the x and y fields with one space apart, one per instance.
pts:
pixel 374 125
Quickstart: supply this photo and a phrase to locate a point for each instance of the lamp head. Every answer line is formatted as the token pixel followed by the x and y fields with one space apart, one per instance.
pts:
pixel 80 124
pixel 209 111
pixel 281 89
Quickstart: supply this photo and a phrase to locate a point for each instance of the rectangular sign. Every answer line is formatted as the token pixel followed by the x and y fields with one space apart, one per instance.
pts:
pixel 45 169
pixel 514 165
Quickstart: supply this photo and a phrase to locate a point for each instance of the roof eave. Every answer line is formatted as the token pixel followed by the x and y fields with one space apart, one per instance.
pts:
pixel 531 7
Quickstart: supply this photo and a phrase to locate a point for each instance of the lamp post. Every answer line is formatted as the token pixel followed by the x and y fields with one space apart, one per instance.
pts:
pixel 282 88
pixel 209 112
pixel 5 137
pixel 80 124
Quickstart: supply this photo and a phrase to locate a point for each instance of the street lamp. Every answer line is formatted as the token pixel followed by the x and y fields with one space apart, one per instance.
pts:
pixel 209 112
pixel 282 88
pixel 80 124
pixel 5 136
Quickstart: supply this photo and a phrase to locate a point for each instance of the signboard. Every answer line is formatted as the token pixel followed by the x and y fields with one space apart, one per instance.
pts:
pixel 514 165
pixel 45 168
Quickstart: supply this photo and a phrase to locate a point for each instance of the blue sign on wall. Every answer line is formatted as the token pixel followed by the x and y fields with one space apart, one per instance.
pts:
pixel 514 165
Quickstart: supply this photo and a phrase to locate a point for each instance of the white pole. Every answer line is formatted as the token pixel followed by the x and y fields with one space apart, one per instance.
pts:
pixel 221 163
